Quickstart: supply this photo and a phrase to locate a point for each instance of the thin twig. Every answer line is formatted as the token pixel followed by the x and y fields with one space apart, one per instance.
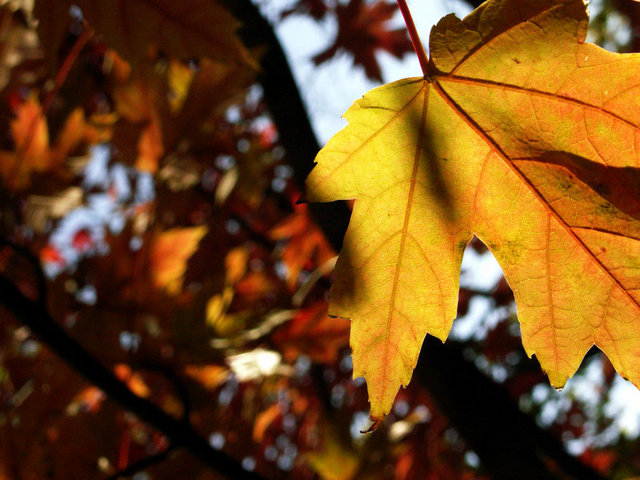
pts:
pixel 270 322
pixel 67 64
pixel 142 464
pixel 326 268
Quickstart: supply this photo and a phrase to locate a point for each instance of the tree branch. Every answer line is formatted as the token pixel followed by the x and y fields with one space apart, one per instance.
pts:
pixel 509 442
pixel 475 3
pixel 631 9
pixel 179 432
pixel 289 113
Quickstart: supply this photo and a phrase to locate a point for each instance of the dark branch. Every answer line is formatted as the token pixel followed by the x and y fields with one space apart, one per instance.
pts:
pixel 34 262
pixel 630 9
pixel 289 113
pixel 178 385
pixel 509 442
pixel 179 433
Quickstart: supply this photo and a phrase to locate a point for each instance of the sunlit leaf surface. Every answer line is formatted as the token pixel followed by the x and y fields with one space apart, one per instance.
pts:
pixel 523 135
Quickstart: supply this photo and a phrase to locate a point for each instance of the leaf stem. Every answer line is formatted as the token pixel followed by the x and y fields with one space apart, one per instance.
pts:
pixel 65 68
pixel 415 38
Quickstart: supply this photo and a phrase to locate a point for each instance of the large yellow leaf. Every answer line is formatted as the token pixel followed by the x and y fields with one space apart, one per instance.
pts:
pixel 523 135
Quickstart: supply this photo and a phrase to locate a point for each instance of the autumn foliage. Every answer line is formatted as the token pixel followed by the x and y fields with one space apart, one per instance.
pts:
pixel 534 170
pixel 174 308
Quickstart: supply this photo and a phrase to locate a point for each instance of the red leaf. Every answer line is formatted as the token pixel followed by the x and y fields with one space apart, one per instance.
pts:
pixel 314 8
pixel 313 333
pixel 362 31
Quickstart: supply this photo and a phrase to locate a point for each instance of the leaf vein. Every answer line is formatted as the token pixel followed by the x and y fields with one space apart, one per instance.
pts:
pixel 491 142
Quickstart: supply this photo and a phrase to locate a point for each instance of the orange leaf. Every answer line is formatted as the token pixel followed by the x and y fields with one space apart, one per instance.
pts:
pixel 118 67
pixel 50 254
pixel 236 264
pixel 522 134
pixel 133 380
pixel 169 253
pixel 314 333
pixel 134 101
pixel 150 148
pixel 89 399
pixel 254 285
pixel 30 134
pixel 306 242
pixel 264 420
pixel 31 140
pixel 210 376
pixel 72 135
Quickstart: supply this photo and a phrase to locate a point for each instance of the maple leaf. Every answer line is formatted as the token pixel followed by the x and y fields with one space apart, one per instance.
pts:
pixel 306 242
pixel 313 333
pixel 522 134
pixel 169 253
pixel 33 153
pixel 362 31
pixel 31 139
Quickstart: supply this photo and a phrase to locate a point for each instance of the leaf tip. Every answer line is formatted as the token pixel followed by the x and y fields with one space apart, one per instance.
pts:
pixel 375 423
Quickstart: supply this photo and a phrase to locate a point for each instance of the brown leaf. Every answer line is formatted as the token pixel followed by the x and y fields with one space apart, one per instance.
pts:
pixel 31 140
pixel 182 30
pixel 312 332
pixel 306 243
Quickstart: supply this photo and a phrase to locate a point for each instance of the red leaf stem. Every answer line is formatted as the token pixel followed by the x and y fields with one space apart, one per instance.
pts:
pixel 415 38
